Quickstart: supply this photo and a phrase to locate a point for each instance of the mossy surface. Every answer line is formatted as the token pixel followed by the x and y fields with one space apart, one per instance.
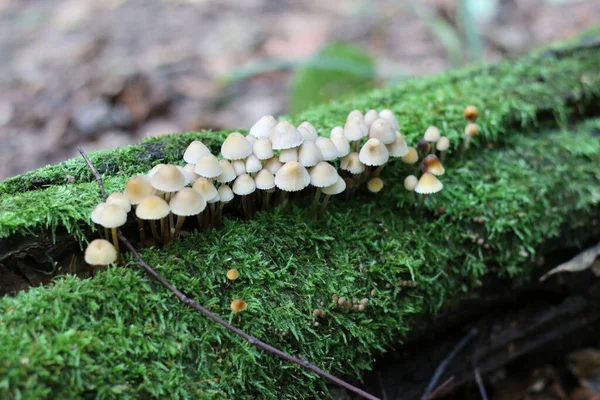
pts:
pixel 120 335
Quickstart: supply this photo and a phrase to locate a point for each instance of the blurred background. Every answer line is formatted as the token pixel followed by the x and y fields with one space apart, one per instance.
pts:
pixel 112 72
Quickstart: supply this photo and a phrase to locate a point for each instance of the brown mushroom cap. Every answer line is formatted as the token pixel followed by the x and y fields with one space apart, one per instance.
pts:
pixel 120 200
pixel 471 113
pixel 292 177
pixel 432 164
pixel 374 153
pixel 208 166
pixel 243 185
pixel 238 305
pixel 187 202
pixel 100 252
pixel 471 130
pixel 152 208
pixel 194 151
pixel 233 274
pixel 138 188
pixel 375 185
pixel 168 179
pixel 206 188
pixel 323 174
pixel 352 164
pixel 236 147
pixel 263 127
pixel 382 130
pixel 411 157
pixel 428 184
pixel 285 136
pixel 113 216
pixel 398 148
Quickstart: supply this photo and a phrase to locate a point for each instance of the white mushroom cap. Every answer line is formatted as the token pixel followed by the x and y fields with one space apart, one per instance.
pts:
pixel 309 154
pixel 96 212
pixel 355 114
pixel 428 183
pixel 120 200
pixel 154 169
pixel 273 164
pixel 432 134
pixel 189 169
pixel 187 202
pixel 100 252
pixel 411 157
pixel 112 216
pixel 208 166
pixel 292 177
pixel 251 139
pixel 194 151
pixel 352 164
pixel 323 174
pixel 236 147
pixel 239 166
pixel 228 173
pixel 328 149
pixel 338 187
pixel 265 180
pixel 288 155
pixel 398 147
pixel 189 177
pixel 152 208
pixel 389 116
pixel 410 182
pixel 308 131
pixel 337 130
pixel 353 129
pixel 206 188
pixel 253 164
pixel 341 144
pixel 374 153
pixel 443 143
pixel 285 136
pixel 243 185
pixel 371 116
pixel 215 199
pixel 225 194
pixel 138 188
pixel 382 130
pixel 168 179
pixel 262 148
pixel 263 127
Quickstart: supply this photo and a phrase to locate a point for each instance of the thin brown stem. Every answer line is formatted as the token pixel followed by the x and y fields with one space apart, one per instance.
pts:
pixel 116 244
pixel 180 220
pixel 164 227
pixel 142 232
pixel 154 230
pixel 94 172
pixel 377 172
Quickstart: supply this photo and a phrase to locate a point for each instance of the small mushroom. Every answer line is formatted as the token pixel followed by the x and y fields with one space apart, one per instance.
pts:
pixel 235 147
pixel 263 127
pixel 244 186
pixel 185 203
pixel 151 209
pixel 98 253
pixel 375 185
pixel 428 184
pixel 442 146
pixel 471 113
pixel 194 151
pixel 432 164
pixel 112 217
pixel 238 305
pixel 233 274
pixel 285 136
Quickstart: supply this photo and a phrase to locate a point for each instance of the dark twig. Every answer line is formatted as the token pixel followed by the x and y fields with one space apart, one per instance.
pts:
pixel 440 388
pixel 191 303
pixel 94 172
pixel 479 382
pixel 442 367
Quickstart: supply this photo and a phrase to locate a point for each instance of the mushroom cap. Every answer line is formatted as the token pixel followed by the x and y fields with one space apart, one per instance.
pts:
pixel 187 202
pixel 371 116
pixel 251 139
pixel 233 274
pixel 138 188
pixel 189 176
pixel 154 169
pixel 308 131
pixel 292 177
pixel 323 174
pixel 328 149
pixel 382 130
pixel 341 144
pixel 374 153
pixel 228 173
pixel 208 166
pixel 236 147
pixel 192 176
pixel 352 164
pixel 410 182
pixel 338 187
pixel 194 151
pixel 206 188
pixel 253 164
pixel 262 148
pixel 389 116
pixel 353 129
pixel 309 154
pixel 355 114
pixel 442 144
pixel 100 252
pixel 95 217
pixel 264 180
pixel 243 185
pixel 398 147
pixel 152 208
pixel 375 185
pixel 433 164
pixel 337 130
pixel 432 134
pixel 411 157
pixel 120 200
pixel 273 164
pixel 215 199
pixel 471 129
pixel 112 216
pixel 239 166
pixel 168 178
pixel 423 146
pixel 238 305
pixel 285 136
pixel 428 183
pixel 288 155
pixel 471 113
pixel 225 194
pixel 263 127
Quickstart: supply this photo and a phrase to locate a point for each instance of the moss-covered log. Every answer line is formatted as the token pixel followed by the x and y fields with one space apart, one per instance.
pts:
pixel 532 180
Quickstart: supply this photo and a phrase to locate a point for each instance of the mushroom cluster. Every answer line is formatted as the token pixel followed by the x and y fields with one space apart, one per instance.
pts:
pixel 264 168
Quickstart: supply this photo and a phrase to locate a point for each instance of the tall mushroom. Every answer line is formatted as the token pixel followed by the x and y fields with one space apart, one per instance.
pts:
pixel 113 217
pixel 185 203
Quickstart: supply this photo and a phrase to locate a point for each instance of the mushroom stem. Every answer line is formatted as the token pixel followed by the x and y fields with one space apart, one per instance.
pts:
pixel 412 197
pixel 443 156
pixel 283 198
pixel 164 230
pixel 106 234
pixel 220 213
pixel 323 205
pixel 92 270
pixel 316 203
pixel 180 220
pixel 213 212
pixel 142 232
pixel 465 146
pixel 154 230
pixel 377 172
pixel 115 239
pixel 245 207
pixel 357 146
pixel 265 201
pixel 422 202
